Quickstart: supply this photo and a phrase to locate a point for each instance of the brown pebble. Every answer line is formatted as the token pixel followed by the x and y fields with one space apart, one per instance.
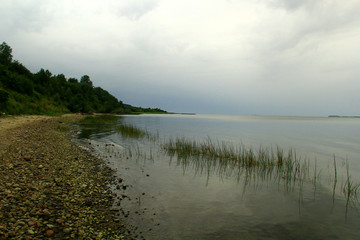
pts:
pixel 38 224
pixel 49 233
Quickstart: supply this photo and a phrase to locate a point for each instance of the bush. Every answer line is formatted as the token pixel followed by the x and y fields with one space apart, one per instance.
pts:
pixel 4 96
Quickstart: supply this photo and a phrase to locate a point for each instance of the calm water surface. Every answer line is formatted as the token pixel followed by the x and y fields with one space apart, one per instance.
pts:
pixel 174 198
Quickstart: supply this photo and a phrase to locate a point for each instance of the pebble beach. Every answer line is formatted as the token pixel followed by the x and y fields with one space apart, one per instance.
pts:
pixel 50 188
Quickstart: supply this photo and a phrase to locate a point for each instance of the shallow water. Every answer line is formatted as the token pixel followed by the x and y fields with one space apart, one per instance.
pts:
pixel 174 198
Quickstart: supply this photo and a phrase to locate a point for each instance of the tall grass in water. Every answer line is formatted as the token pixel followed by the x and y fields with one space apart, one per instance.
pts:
pixel 263 158
pixel 350 189
pixel 131 131
pixel 263 163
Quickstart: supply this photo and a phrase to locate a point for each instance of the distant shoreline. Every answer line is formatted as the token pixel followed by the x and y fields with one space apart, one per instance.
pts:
pixel 187 113
pixel 338 116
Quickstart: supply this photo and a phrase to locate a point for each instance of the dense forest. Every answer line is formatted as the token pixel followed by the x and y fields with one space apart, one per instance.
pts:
pixel 24 92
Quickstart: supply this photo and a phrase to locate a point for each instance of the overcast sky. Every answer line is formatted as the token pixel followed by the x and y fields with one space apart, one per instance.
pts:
pixel 267 57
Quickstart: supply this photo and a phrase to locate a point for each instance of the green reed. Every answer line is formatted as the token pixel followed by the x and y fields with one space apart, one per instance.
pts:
pixel 244 157
pixel 263 163
pixel 131 131
pixel 350 188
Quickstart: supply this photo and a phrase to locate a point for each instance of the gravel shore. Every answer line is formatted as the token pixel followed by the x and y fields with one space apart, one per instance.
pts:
pixel 51 188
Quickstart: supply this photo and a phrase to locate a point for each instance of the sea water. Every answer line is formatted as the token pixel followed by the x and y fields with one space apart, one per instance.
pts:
pixel 172 198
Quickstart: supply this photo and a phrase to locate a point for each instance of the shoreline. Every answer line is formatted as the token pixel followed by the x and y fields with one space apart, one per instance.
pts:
pixel 52 188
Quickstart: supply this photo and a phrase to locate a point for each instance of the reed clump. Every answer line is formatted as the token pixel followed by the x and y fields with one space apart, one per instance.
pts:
pixel 287 165
pixel 264 163
pixel 130 131
pixel 350 189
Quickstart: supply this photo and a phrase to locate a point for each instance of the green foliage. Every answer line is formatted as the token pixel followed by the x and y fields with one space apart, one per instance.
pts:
pixel 86 80
pixel 17 82
pixel 44 93
pixel 4 96
pixel 5 54
pixel 17 67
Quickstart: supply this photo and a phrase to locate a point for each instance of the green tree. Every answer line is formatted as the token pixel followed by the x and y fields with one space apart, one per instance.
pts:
pixel 5 54
pixel 73 80
pixel 16 66
pixel 4 96
pixel 86 80
pixel 42 79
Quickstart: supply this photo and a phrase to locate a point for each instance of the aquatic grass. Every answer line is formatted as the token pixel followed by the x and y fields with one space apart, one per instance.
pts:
pixel 350 189
pixel 253 165
pixel 130 131
pixel 99 119
pixel 244 157
pixel 263 163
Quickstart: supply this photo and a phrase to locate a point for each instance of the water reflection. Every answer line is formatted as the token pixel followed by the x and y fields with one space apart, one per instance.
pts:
pixel 98 126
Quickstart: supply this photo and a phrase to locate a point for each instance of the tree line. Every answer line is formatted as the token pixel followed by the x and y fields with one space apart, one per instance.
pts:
pixel 24 92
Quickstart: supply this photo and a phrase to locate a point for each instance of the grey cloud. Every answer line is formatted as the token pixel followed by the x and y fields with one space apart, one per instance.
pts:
pixel 319 20
pixel 291 57
pixel 293 5
pixel 134 10
pixel 31 16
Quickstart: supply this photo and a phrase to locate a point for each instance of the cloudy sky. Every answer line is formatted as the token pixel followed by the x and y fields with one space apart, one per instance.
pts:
pixel 268 57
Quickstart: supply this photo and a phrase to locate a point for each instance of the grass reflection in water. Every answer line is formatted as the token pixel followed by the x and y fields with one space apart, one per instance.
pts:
pixel 263 164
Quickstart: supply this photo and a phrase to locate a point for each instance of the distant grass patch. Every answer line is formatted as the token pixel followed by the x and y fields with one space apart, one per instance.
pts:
pixel 131 131
pixel 99 119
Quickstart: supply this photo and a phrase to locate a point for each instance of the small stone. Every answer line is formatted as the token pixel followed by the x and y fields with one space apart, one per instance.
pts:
pixel 60 221
pixel 38 224
pixel 27 157
pixel 46 212
pixel 49 233
pixel 81 233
